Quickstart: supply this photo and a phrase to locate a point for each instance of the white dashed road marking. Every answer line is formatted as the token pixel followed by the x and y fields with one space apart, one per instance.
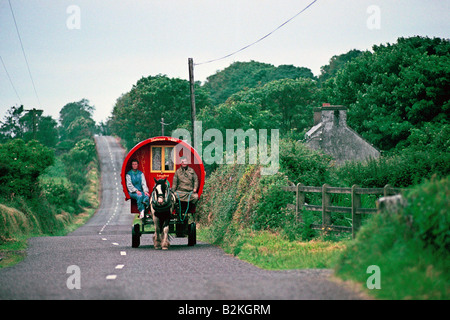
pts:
pixel 122 253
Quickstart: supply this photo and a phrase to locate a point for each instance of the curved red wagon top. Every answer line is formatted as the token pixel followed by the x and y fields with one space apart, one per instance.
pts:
pixel 159 158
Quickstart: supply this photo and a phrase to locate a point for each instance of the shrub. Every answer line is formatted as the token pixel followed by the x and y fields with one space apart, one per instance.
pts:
pixel 411 247
pixel 429 207
pixel 220 201
pixel 61 195
pixel 20 166
pixel 302 164
pixel 405 169
pixel 76 162
pixel 268 214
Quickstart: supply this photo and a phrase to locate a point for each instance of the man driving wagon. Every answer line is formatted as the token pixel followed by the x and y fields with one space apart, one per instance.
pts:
pixel 185 183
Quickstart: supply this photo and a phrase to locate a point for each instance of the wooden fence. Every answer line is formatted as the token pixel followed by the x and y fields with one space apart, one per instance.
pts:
pixel 327 208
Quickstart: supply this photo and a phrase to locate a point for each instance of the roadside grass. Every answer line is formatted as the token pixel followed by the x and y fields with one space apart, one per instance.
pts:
pixel 12 252
pixel 273 251
pixel 18 225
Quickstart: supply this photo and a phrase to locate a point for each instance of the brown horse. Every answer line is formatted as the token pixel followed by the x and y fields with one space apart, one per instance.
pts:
pixel 162 206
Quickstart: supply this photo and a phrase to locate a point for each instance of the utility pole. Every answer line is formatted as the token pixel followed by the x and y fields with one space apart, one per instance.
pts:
pixel 35 112
pixel 162 126
pixel 191 82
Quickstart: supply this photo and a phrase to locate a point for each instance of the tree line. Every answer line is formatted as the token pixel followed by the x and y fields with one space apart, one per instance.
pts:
pixel 75 123
pixel 28 147
pixel 48 172
pixel 397 97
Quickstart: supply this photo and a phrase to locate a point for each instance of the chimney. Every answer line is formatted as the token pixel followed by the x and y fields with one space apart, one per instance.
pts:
pixel 335 114
pixel 318 113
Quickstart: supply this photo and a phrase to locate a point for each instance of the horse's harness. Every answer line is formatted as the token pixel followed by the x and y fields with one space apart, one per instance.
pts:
pixel 165 206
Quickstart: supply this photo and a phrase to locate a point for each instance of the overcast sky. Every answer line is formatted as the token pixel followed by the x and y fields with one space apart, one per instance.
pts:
pixel 97 49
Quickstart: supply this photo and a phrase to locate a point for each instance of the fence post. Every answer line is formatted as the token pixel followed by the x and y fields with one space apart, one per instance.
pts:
pixel 356 217
pixel 387 190
pixel 300 200
pixel 326 216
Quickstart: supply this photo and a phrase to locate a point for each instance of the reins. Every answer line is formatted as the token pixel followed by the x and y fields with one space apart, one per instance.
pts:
pixel 179 206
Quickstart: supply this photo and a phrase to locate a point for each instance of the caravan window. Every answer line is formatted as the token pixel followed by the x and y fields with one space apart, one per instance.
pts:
pixel 163 159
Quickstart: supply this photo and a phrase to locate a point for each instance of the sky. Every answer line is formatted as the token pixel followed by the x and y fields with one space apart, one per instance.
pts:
pixel 98 49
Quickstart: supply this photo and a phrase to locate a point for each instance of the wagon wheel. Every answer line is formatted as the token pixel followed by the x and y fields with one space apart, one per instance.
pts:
pixel 192 234
pixel 135 236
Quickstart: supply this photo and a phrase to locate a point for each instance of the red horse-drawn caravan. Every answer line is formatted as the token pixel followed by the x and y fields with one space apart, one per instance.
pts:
pixel 159 158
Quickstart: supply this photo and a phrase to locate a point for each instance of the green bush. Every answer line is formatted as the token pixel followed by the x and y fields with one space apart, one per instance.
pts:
pixel 302 164
pixel 237 195
pixel 432 136
pixel 219 200
pixel 429 208
pixel 61 195
pixel 83 152
pixel 405 169
pixel 20 166
pixel 268 214
pixel 76 162
pixel 426 153
pixel 410 247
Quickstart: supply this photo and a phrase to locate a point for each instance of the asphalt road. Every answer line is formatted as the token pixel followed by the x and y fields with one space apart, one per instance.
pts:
pixel 97 262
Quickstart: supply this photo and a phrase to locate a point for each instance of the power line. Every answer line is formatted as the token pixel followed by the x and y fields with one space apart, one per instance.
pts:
pixel 260 39
pixel 24 55
pixel 12 84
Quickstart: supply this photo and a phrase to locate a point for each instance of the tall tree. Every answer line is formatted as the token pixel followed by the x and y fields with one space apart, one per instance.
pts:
pixel 394 89
pixel 76 111
pixel 336 63
pixel 18 123
pixel 240 75
pixel 281 104
pixel 137 114
pixel 10 127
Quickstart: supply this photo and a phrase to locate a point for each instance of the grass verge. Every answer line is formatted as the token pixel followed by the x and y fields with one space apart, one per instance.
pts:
pixel 272 251
pixel 18 226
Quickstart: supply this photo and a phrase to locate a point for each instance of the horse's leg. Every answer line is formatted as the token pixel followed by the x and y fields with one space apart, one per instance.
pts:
pixel 157 234
pixel 165 237
pixel 165 234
